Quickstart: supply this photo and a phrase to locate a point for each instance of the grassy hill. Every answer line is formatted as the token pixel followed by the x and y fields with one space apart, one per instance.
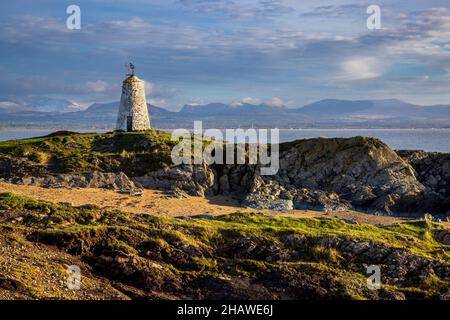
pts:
pixel 68 152
pixel 242 256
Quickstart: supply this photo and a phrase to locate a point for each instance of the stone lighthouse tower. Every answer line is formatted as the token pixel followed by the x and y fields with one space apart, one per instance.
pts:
pixel 133 113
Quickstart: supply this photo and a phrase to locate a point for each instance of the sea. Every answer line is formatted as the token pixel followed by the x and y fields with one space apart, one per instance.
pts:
pixel 437 140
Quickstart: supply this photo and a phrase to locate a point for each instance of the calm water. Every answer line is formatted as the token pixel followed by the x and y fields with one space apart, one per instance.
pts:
pixel 23 134
pixel 424 139
pixel 16 134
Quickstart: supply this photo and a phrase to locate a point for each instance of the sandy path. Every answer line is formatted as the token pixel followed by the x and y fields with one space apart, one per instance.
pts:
pixel 154 202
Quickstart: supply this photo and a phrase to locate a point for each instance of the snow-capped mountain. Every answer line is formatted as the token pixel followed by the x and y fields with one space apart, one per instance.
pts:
pixel 39 104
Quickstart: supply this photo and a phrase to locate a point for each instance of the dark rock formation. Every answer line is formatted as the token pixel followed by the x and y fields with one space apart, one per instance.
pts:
pixel 95 179
pixel 363 171
pixel 269 202
pixel 335 174
pixel 195 180
pixel 238 256
pixel 20 167
pixel 433 171
pixel 265 191
pixel 319 174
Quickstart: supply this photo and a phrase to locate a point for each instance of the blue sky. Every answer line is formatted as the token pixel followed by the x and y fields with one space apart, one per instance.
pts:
pixel 280 52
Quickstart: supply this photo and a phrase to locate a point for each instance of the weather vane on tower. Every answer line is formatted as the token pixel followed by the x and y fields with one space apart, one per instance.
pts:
pixel 130 69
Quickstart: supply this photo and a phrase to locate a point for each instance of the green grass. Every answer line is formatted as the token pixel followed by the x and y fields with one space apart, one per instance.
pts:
pixel 415 235
pixel 135 153
pixel 395 235
pixel 236 245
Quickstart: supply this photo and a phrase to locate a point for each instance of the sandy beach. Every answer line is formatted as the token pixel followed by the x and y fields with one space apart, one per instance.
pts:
pixel 156 203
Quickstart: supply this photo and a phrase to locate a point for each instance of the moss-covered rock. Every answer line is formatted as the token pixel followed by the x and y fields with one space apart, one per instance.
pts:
pixel 134 153
pixel 243 256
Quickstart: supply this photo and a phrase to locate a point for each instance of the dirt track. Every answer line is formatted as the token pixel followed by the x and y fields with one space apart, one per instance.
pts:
pixel 154 202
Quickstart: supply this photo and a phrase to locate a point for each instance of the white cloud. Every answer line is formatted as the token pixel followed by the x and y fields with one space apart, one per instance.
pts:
pixel 236 104
pixel 97 86
pixel 156 91
pixel 251 100
pixel 360 68
pixel 246 53
pixel 159 103
pixel 276 102
pixel 238 9
pixel 196 102
pixel 11 106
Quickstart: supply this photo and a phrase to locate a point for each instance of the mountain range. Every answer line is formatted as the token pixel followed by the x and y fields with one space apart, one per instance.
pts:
pixel 38 104
pixel 330 113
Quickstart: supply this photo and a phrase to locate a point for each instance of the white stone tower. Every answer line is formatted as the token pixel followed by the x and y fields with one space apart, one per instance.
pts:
pixel 133 113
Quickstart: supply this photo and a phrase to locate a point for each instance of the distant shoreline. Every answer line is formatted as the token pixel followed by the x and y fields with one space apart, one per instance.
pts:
pixel 85 130
pixel 426 139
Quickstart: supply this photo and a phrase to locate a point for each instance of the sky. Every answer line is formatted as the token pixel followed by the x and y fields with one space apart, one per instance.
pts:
pixel 285 53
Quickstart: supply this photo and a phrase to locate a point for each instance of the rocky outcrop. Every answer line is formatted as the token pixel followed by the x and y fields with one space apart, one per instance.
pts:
pixel 269 202
pixel 319 174
pixel 269 194
pixel 433 171
pixel 194 180
pixel 401 268
pixel 281 262
pixel 443 236
pixel 235 179
pixel 95 179
pixel 336 174
pixel 20 167
pixel 240 256
pixel 363 171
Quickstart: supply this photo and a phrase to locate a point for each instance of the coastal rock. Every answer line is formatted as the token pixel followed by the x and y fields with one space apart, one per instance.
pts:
pixel 20 167
pixel 194 180
pixel 262 202
pixel 336 174
pixel 400 267
pixel 115 181
pixel 443 236
pixel 432 169
pixel 305 199
pixel 319 174
pixel 263 189
pixel 363 171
